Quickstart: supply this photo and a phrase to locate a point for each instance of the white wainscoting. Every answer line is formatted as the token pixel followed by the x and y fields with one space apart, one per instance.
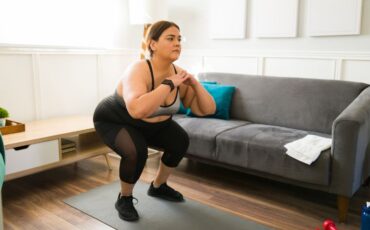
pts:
pixel 321 65
pixel 111 68
pixel 300 67
pixel 40 83
pixel 68 84
pixel 192 63
pixel 17 86
pixel 356 70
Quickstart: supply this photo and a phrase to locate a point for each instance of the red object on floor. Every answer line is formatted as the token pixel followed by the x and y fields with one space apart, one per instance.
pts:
pixel 329 225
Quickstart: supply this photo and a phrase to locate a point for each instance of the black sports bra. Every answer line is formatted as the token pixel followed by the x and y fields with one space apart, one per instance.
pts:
pixel 170 109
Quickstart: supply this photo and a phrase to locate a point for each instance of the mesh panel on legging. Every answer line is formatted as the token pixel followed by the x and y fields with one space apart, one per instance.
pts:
pixel 131 146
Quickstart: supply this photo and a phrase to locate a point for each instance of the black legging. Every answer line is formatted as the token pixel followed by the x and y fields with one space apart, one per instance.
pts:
pixel 130 138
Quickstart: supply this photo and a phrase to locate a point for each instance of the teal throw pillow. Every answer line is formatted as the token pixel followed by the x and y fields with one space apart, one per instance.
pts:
pixel 209 82
pixel 223 95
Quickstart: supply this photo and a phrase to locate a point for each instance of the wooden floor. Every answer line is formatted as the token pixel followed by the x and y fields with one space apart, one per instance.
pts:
pixel 36 201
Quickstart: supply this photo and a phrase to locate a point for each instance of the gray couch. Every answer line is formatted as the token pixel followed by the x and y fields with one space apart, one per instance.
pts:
pixel 268 112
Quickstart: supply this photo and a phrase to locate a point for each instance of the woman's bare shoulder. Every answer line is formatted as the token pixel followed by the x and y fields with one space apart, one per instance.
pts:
pixel 134 74
pixel 136 68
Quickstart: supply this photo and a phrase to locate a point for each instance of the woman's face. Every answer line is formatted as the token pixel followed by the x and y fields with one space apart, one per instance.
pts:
pixel 169 44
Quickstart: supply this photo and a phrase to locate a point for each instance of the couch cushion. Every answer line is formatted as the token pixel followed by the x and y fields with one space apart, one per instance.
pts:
pixel 261 148
pixel 203 132
pixel 306 104
pixel 178 116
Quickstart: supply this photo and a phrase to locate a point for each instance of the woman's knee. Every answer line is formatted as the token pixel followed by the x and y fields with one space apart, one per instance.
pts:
pixel 132 165
pixel 173 154
pixel 185 142
pixel 180 143
pixel 138 156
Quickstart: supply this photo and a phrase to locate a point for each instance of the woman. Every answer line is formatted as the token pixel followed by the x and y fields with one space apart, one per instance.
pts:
pixel 139 114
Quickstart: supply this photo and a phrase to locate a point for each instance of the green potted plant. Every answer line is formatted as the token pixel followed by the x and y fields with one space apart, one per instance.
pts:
pixel 3 115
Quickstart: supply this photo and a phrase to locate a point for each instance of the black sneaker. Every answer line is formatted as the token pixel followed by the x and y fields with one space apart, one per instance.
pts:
pixel 125 208
pixel 165 192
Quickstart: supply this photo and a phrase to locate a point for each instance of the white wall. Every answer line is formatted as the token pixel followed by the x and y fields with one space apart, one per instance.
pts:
pixel 193 18
pixel 65 25
pixel 40 82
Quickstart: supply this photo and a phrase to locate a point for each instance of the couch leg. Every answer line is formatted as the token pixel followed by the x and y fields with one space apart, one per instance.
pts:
pixel 343 204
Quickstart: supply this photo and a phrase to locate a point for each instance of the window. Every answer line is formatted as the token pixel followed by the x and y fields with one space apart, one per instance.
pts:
pixel 71 23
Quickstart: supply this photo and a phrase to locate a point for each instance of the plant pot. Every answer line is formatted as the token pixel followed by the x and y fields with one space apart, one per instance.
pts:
pixel 2 122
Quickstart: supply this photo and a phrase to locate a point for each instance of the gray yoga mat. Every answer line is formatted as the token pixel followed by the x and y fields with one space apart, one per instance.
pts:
pixel 156 214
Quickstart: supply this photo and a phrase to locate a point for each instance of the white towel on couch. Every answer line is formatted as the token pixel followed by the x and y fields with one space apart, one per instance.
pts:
pixel 308 148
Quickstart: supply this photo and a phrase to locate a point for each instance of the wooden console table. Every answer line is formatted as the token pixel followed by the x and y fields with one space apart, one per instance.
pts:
pixel 39 147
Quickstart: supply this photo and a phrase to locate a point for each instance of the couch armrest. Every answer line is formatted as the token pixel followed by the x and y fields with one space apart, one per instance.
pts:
pixel 351 133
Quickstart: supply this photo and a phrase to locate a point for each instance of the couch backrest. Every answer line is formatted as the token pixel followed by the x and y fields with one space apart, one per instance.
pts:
pixel 307 104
